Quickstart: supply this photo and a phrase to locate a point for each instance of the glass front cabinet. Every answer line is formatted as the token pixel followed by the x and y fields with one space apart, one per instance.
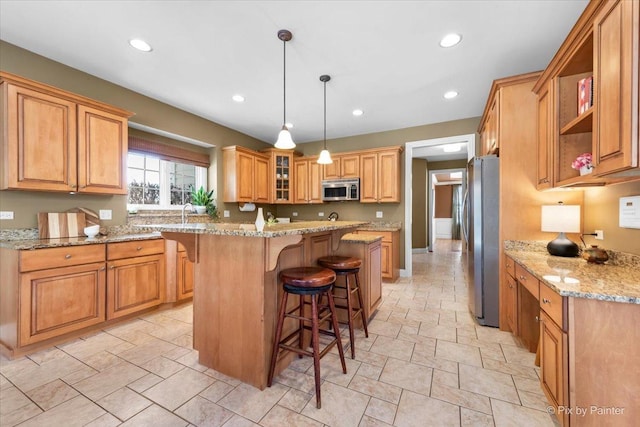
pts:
pixel 281 175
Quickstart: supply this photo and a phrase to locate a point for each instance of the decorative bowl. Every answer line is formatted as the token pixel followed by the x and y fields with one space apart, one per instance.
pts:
pixel 595 254
pixel 92 231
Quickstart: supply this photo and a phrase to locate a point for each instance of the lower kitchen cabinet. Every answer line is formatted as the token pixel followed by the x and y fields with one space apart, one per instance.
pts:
pixel 553 365
pixel 390 255
pixel 134 283
pixel 184 273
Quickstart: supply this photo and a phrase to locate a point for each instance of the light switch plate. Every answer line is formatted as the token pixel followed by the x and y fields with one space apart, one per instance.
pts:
pixel 379 214
pixel 320 213
pixel 226 214
pixel 630 212
pixel 105 214
pixel 6 214
pixel 294 213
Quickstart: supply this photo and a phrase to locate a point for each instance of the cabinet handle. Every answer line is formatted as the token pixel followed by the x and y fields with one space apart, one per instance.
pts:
pixel 139 248
pixel 112 267
pixel 67 256
pixel 523 278
pixel 546 301
pixel 102 269
pixel 510 286
pixel 538 319
pixel 508 265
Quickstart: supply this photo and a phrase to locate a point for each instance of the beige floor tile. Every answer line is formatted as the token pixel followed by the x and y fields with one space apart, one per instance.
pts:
pixel 495 335
pixel 416 410
pixel 49 395
pixel 109 380
pixel 461 398
pixel 461 353
pixel 179 388
pixel 470 418
pixel 295 400
pixel 386 329
pixel 371 358
pixel 155 416
pixel 334 412
pixel 369 371
pixel 378 389
pixel 279 416
pixel 148 350
pixel 488 383
pixel 106 420
pixel 252 403
pixel 101 360
pixel 518 355
pixel 47 355
pixel 35 375
pixel 445 378
pixel 216 391
pixel 75 412
pixel 368 421
pixel 528 384
pixel 426 317
pixel 190 360
pixel 381 410
pixel 124 403
pixel 535 400
pixel 510 368
pixel 238 421
pixel 202 412
pixel 4 383
pixel 509 415
pixel 83 348
pixel 222 377
pixel 162 366
pixel 144 383
pixel 12 399
pixel 19 415
pixel 409 376
pixel 441 332
pixel 397 349
pixel 297 380
pixel 78 375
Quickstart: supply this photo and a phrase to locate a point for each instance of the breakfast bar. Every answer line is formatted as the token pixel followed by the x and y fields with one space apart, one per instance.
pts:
pixel 236 290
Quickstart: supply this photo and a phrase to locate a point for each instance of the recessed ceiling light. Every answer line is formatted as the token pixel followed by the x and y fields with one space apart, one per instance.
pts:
pixel 357 112
pixel 289 125
pixel 451 94
pixel 451 148
pixel 450 40
pixel 455 175
pixel 140 45
pixel 238 98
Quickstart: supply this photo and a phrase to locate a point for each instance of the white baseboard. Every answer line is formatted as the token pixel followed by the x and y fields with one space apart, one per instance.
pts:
pixel 419 251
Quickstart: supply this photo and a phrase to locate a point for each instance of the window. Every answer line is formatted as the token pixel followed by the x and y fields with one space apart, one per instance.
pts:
pixel 154 183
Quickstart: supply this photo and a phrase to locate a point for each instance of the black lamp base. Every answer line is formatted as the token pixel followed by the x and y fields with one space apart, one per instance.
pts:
pixel 562 246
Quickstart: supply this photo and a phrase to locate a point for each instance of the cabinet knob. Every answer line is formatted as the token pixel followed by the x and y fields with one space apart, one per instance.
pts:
pixel 102 269
pixel 546 301
pixel 112 267
pixel 537 318
pixel 523 278
pixel 67 256
pixel 510 286
pixel 139 248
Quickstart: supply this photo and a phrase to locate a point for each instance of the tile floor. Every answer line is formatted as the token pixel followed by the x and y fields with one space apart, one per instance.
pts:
pixel 425 363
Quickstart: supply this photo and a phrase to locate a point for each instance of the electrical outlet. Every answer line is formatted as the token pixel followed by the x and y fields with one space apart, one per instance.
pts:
pixel 105 214
pixel 320 213
pixel 599 235
pixel 379 214
pixel 294 213
pixel 6 215
pixel 226 214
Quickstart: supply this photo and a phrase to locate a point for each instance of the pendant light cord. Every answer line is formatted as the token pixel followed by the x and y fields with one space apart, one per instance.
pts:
pixel 284 82
pixel 325 115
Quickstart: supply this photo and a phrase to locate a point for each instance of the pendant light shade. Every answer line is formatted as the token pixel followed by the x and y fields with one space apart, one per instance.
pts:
pixel 325 156
pixel 285 142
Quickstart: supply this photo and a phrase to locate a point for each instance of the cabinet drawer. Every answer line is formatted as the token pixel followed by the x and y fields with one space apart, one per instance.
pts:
pixel 134 248
pixel 510 266
pixel 41 259
pixel 527 280
pixel 553 304
pixel 387 236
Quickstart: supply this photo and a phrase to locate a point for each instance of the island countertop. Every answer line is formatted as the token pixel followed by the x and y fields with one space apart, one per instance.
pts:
pixel 249 230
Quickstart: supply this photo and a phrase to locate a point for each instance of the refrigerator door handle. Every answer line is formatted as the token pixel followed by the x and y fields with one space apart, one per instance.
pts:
pixel 465 216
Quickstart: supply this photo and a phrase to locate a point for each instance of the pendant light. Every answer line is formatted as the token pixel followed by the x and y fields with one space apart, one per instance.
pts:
pixel 325 156
pixel 285 141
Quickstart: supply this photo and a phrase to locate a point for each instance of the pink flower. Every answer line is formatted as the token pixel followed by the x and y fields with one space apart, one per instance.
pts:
pixel 581 161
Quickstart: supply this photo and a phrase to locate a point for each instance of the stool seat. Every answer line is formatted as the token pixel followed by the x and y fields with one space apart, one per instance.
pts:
pixel 307 277
pixel 336 262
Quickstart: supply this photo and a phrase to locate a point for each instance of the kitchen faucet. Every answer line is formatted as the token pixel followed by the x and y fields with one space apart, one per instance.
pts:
pixel 184 217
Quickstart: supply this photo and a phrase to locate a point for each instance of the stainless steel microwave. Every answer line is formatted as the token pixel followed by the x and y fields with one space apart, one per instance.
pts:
pixel 334 190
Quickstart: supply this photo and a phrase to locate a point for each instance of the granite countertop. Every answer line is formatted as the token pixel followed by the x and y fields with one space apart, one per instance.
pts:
pixel 360 238
pixel 381 226
pixel 249 230
pixel 574 277
pixel 29 244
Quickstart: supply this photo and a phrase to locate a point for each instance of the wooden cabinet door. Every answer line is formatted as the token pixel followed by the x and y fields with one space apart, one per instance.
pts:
pixel 389 178
pixel 185 273
pixel 554 364
pixel 375 279
pixel 244 177
pixel 60 300
pixel 386 260
pixel 369 178
pixel 616 38
pixel 350 166
pixel 40 147
pixel 511 303
pixel 102 152
pixel 314 181
pixel 281 178
pixel 301 175
pixel 134 284
pixel 261 182
pixel 545 139
pixel 332 170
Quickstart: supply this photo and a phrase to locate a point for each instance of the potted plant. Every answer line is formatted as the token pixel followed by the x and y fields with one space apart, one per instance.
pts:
pixel 583 163
pixel 202 201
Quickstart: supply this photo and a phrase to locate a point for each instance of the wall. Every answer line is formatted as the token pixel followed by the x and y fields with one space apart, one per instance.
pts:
pixel 443 201
pixel 148 112
pixel 419 179
pixel 601 212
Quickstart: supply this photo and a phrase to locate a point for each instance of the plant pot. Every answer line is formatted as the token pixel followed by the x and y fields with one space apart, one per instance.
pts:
pixel 200 209
pixel 586 170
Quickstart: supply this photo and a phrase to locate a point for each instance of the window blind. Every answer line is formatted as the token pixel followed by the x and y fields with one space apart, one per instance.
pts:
pixel 168 152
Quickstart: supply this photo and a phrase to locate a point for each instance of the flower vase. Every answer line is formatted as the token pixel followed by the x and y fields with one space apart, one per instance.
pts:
pixel 585 170
pixel 260 220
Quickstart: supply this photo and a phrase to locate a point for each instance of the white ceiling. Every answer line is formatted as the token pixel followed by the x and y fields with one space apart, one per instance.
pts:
pixel 383 56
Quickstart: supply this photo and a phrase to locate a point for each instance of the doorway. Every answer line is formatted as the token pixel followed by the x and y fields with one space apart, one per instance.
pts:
pixel 417 149
pixel 446 191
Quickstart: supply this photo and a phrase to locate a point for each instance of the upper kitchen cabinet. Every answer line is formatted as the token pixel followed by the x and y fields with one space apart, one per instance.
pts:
pixel 58 141
pixel 281 175
pixel 545 138
pixel 489 130
pixel 380 175
pixel 345 165
pixel 603 49
pixel 308 184
pixel 246 175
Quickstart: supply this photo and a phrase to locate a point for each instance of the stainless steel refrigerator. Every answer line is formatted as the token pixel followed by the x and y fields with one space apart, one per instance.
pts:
pixel 480 229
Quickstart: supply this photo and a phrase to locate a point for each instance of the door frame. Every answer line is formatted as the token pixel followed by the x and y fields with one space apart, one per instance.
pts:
pixel 431 238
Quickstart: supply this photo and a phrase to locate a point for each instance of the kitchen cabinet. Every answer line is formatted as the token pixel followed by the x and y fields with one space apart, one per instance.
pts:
pixel 489 129
pixel 184 271
pixel 380 175
pixel 389 252
pixel 510 291
pixel 545 138
pixel 246 175
pixel 602 45
pixel 135 276
pixel 59 141
pixel 553 365
pixel 308 180
pixel 280 175
pixel 528 308
pixel 343 166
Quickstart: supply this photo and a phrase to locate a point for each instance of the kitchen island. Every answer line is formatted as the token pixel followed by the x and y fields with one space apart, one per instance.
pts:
pixel 236 290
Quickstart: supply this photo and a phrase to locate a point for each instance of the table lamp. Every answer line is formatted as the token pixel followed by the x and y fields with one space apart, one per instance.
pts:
pixel 562 219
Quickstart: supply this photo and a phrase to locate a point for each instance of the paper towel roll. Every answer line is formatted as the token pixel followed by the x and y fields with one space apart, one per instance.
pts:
pixel 247 207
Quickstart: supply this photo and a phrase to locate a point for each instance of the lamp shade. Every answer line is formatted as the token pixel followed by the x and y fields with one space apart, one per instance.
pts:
pixel 285 142
pixel 561 218
pixel 325 157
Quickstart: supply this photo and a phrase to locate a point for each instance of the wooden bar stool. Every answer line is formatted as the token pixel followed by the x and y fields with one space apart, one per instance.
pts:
pixel 345 266
pixel 314 282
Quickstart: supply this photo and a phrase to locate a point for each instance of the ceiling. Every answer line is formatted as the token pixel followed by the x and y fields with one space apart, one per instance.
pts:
pixel 383 56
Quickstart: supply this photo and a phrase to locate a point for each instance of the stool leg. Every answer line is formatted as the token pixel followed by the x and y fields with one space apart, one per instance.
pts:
pixel 364 317
pixel 334 320
pixel 350 317
pixel 301 326
pixel 315 341
pixel 276 341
